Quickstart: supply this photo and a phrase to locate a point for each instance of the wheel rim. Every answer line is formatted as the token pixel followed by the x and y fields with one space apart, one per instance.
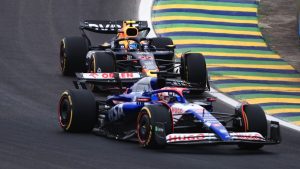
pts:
pixel 64 112
pixel 144 128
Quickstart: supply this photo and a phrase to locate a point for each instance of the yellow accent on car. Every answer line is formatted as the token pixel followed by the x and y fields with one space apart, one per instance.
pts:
pixel 150 133
pixel 148 73
pixel 130 22
pixel 71 112
pixel 147 110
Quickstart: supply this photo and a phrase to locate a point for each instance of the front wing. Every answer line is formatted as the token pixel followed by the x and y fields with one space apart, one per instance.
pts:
pixel 274 136
pixel 206 138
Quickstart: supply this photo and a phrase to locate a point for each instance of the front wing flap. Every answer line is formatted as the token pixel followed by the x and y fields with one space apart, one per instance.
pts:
pixel 104 78
pixel 205 138
pixel 274 137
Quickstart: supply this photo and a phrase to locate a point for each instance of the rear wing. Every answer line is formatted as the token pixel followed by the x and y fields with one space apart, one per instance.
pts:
pixel 115 79
pixel 169 79
pixel 109 27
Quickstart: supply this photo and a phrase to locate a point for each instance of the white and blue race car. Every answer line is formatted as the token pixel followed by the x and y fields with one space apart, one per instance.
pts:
pixel 155 112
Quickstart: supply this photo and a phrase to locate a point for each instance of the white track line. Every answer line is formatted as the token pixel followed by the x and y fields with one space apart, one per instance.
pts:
pixel 145 9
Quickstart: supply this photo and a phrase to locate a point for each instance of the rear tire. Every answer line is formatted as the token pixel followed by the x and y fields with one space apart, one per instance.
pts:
pixel 193 69
pixel 101 62
pixel 146 125
pixel 254 120
pixel 160 44
pixel 77 111
pixel 73 52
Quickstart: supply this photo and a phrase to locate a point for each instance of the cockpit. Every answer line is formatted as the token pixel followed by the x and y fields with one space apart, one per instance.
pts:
pixel 145 84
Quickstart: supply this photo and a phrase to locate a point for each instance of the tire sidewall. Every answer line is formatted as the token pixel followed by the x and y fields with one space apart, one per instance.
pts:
pixel 82 111
pixel 73 52
pixel 194 70
pixel 155 113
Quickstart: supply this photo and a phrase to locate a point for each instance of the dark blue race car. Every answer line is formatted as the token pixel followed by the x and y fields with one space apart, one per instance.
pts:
pixel 155 112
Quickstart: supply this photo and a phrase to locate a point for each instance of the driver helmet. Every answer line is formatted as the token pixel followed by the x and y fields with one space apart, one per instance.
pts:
pixel 167 97
pixel 132 46
pixel 128 30
pixel 164 96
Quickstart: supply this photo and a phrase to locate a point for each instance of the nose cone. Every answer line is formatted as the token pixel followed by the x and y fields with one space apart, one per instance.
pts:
pixel 220 131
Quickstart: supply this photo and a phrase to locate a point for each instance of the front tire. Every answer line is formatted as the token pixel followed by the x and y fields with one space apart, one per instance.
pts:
pixel 101 62
pixel 193 69
pixel 146 125
pixel 73 52
pixel 253 120
pixel 77 111
pixel 160 44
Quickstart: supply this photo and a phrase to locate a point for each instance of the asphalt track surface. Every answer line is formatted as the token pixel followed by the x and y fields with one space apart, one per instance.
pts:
pixel 31 84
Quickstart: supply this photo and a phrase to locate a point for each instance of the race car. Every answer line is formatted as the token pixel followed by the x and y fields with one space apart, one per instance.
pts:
pixel 129 51
pixel 156 112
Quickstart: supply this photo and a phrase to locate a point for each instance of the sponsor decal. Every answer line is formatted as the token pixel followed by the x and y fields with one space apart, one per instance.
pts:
pixel 177 110
pixel 104 27
pixel 107 75
pixel 185 137
pixel 188 137
pixel 93 75
pixel 126 75
pixel 248 136
pixel 116 113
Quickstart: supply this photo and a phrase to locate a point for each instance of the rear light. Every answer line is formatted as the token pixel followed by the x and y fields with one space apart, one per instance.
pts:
pixel 211 99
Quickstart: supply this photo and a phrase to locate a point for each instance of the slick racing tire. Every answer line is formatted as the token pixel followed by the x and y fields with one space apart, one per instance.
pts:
pixel 77 111
pixel 73 52
pixel 101 62
pixel 160 44
pixel 193 69
pixel 253 120
pixel 147 125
